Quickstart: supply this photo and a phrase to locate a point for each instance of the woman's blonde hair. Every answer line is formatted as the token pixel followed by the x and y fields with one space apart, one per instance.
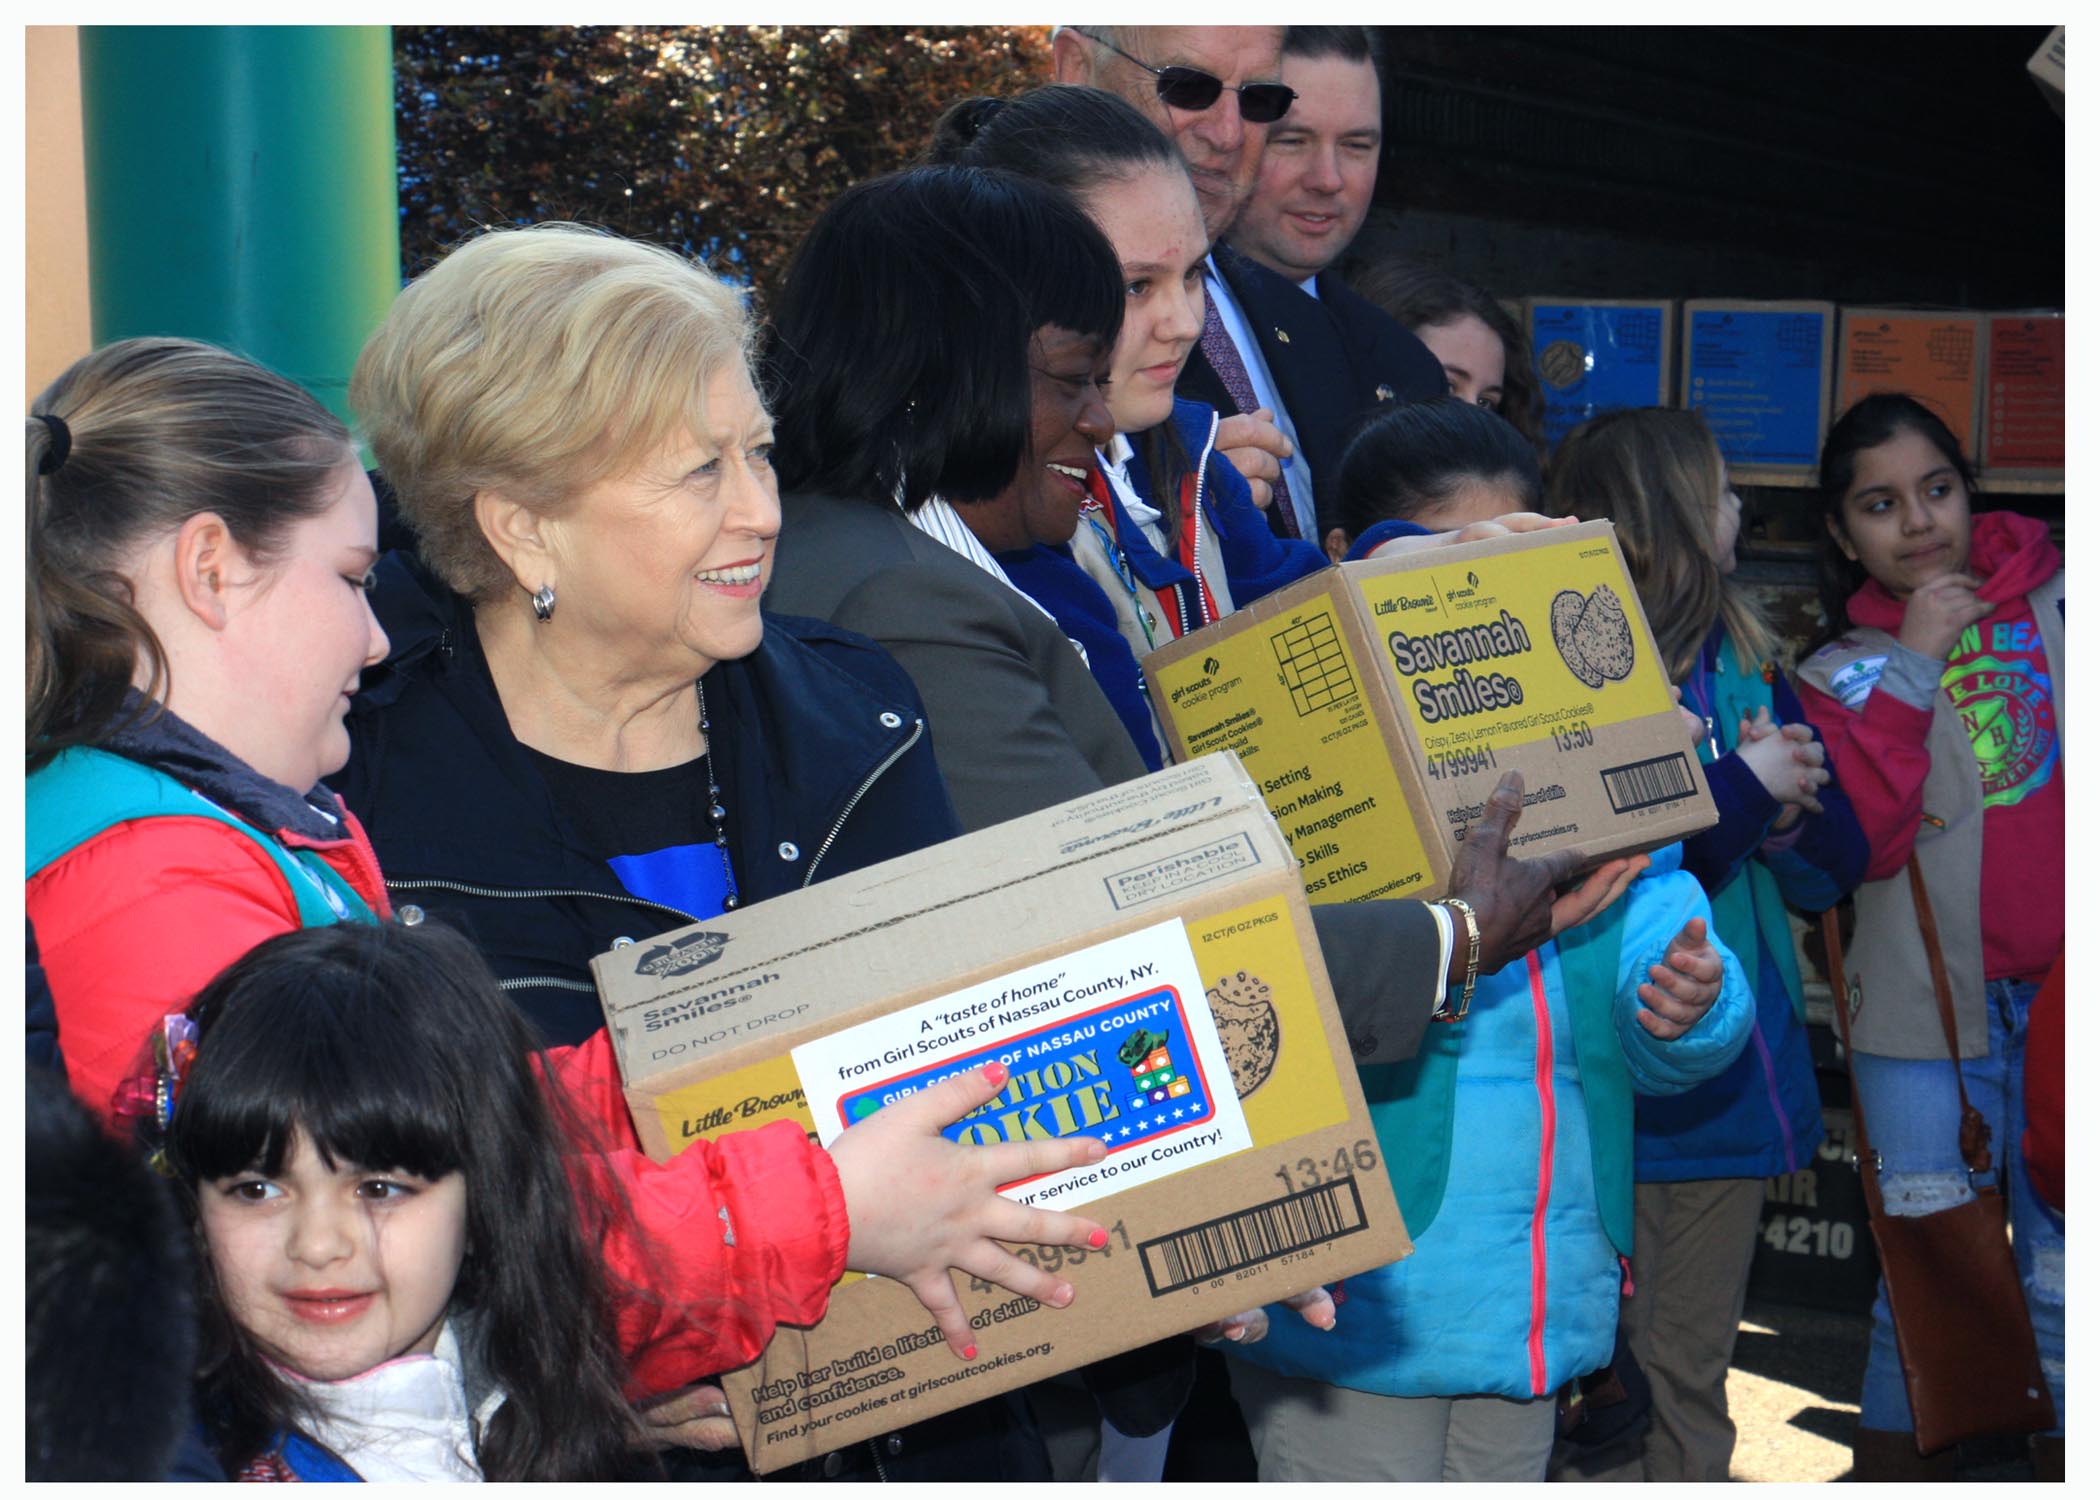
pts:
pixel 1658 476
pixel 129 443
pixel 535 361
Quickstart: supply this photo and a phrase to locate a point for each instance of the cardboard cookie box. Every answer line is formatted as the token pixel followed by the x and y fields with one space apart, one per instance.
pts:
pixel 1377 704
pixel 2023 420
pixel 1760 373
pixel 1936 357
pixel 1144 962
pixel 1597 354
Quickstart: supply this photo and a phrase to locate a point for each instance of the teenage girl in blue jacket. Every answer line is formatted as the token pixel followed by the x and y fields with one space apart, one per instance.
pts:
pixel 1171 539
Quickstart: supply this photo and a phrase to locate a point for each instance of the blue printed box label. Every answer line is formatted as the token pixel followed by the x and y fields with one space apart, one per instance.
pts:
pixel 1115 1041
pixel 1757 378
pixel 1596 359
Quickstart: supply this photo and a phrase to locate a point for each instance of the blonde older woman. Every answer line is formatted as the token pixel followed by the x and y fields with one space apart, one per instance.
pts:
pixel 586 732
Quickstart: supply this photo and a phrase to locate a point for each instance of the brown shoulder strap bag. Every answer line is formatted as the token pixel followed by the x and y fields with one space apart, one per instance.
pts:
pixel 1962 1330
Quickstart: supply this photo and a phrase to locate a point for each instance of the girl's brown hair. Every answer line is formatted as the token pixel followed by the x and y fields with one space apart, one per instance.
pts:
pixel 1418 297
pixel 152 431
pixel 1659 476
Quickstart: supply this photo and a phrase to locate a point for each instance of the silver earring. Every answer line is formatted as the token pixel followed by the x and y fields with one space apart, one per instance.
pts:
pixel 543 603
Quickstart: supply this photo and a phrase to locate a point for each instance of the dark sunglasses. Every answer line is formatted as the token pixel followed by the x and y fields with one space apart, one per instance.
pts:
pixel 1193 89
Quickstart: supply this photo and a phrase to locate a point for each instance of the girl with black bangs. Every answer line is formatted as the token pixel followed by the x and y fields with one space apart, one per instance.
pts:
pixel 201 541
pixel 399 1284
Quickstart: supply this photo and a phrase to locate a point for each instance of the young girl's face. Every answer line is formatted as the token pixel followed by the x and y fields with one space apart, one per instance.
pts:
pixel 1475 363
pixel 302 633
pixel 1156 228
pixel 1728 523
pixel 1906 517
pixel 335 1270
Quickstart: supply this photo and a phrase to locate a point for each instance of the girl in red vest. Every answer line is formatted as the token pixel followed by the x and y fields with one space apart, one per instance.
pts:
pixel 1941 700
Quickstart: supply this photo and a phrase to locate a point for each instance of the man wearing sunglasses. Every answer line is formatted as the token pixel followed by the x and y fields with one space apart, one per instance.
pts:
pixel 1267 345
pixel 1214 89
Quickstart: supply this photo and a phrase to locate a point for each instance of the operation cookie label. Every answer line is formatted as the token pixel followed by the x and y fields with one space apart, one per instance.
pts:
pixel 1110 1041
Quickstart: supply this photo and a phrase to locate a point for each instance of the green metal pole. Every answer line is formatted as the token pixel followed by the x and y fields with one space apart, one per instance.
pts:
pixel 240 189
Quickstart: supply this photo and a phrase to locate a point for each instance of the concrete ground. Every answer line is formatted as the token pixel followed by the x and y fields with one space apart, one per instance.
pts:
pixel 1793 1391
pixel 1794 1394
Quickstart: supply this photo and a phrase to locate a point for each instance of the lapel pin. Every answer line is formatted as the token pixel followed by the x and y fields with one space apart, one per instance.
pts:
pixel 1282 337
pixel 1385 393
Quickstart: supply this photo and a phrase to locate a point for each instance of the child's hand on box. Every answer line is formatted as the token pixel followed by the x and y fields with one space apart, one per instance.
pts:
pixel 918 1204
pixel 1252 1326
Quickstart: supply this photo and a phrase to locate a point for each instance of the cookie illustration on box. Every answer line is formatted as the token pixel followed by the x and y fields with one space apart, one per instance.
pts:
pixel 1247 1029
pixel 1593 635
pixel 1565 611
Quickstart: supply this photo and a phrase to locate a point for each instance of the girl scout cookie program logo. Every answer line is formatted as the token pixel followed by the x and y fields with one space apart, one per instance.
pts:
pixel 1594 636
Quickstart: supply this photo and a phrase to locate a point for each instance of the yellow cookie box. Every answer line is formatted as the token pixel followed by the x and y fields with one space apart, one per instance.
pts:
pixel 1378 703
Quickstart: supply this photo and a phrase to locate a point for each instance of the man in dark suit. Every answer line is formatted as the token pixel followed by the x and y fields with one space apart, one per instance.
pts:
pixel 1268 345
pixel 1318 174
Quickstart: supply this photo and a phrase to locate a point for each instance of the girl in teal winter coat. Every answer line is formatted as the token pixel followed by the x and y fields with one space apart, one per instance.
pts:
pixel 1510 1142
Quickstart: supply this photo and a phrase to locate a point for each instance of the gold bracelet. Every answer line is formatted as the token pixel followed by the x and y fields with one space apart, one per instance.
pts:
pixel 1457 1012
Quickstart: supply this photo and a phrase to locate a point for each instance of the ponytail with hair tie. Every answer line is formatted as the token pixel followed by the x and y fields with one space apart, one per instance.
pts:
pixel 178 428
pixel 977 114
pixel 61 443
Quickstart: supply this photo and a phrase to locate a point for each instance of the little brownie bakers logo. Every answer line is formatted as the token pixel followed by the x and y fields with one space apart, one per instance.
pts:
pixel 682 955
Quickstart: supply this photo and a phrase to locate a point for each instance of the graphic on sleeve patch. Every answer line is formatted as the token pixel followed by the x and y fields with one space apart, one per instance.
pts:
pixel 2005 706
pixel 1851 683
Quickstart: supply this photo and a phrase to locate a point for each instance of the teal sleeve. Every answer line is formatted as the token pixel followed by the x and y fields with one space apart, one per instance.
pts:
pixel 1658 906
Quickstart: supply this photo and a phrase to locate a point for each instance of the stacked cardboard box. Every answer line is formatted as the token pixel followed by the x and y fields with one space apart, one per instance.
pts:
pixel 1378 703
pixel 1595 354
pixel 1936 357
pixel 1760 373
pixel 2023 401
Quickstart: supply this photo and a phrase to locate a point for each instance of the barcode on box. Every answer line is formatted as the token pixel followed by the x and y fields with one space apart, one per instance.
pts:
pixel 1253 1235
pixel 1648 783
